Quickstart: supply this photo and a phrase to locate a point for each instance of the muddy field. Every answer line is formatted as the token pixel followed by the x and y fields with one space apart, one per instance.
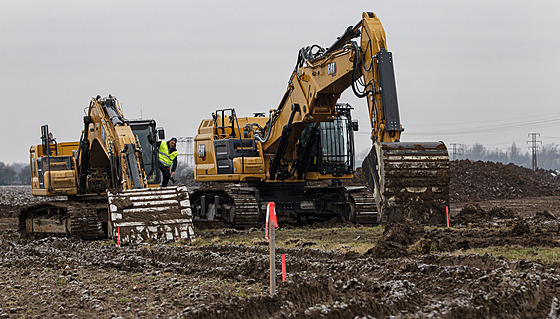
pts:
pixel 499 260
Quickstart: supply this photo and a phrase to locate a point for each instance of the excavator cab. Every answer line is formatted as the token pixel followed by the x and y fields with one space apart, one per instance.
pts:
pixel 337 145
pixel 333 152
pixel 147 135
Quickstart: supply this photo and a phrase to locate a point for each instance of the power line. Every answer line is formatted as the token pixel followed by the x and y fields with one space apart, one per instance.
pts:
pixel 485 130
pixel 507 127
pixel 523 119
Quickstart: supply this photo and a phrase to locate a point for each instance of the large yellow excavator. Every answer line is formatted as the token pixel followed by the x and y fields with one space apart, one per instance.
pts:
pixel 109 180
pixel 289 156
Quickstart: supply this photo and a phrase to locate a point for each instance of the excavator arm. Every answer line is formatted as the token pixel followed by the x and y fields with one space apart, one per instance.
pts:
pixel 321 75
pixel 113 150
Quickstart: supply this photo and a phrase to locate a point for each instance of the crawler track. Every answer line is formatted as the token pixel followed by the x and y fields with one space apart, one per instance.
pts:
pixel 225 205
pixel 363 205
pixel 61 219
pixel 245 206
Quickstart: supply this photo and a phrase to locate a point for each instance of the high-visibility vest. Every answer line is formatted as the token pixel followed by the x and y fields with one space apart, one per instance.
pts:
pixel 164 157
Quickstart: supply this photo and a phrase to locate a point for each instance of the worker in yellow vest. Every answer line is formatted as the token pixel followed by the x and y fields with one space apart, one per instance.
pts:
pixel 167 155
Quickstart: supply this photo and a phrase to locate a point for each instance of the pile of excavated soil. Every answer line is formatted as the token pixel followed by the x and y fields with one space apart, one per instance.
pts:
pixel 475 181
pixel 472 213
pixel 395 241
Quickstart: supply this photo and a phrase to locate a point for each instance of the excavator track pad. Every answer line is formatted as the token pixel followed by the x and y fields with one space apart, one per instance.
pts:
pixel 162 214
pixel 409 180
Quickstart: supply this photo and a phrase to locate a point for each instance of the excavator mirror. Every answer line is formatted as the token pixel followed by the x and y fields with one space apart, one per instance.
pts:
pixel 161 133
pixel 355 126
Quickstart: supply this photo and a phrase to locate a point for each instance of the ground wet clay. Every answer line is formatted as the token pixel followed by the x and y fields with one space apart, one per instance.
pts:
pixel 408 272
pixel 394 242
pixel 70 278
pixel 67 277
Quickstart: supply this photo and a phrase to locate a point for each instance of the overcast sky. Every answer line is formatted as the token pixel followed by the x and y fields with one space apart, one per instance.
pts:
pixel 467 71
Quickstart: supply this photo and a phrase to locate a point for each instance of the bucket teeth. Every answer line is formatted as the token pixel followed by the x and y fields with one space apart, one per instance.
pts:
pixel 410 181
pixel 162 214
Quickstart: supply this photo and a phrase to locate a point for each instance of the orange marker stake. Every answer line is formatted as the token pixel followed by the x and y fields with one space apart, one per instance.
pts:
pixel 283 267
pixel 447 213
pixel 118 237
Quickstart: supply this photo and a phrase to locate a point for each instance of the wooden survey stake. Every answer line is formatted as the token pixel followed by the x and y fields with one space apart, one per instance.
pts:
pixel 272 244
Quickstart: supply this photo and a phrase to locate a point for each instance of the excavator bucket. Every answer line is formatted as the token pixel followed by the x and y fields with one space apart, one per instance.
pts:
pixel 163 214
pixel 409 181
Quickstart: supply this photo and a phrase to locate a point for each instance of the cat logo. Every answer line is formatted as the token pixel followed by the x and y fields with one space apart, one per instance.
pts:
pixel 331 69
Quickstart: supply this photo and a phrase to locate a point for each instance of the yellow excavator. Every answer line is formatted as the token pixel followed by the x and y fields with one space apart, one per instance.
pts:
pixel 109 183
pixel 291 156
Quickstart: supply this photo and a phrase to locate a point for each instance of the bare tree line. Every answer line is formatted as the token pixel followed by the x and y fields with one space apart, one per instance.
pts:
pixel 548 156
pixel 15 174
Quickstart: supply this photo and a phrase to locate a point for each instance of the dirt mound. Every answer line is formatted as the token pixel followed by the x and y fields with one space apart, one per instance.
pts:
pixel 475 181
pixel 520 228
pixel 501 213
pixel 544 216
pixel 472 213
pixel 395 241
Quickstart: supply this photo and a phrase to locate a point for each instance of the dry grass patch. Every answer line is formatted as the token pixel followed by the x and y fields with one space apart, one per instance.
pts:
pixel 545 255
pixel 344 238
